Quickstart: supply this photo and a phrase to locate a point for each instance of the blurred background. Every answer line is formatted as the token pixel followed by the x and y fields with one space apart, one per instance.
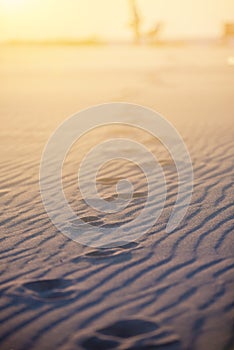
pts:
pixel 115 20
pixel 58 56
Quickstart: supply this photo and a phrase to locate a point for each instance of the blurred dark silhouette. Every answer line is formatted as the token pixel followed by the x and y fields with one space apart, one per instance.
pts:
pixel 135 21
pixel 149 37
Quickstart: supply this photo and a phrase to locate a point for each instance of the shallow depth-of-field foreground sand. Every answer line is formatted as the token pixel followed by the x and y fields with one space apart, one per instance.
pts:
pixel 164 291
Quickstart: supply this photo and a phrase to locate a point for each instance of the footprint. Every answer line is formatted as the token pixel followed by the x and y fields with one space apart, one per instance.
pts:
pixel 129 328
pixel 133 334
pixel 49 289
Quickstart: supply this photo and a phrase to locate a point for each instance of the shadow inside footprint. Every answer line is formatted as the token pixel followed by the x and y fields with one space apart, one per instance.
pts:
pixel 49 289
pixel 166 346
pixel 129 328
pixel 96 343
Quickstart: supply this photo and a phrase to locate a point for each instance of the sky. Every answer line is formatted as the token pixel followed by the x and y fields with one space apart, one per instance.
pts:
pixel 109 19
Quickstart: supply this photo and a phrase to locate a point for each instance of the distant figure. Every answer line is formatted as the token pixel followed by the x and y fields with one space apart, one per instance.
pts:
pixel 136 21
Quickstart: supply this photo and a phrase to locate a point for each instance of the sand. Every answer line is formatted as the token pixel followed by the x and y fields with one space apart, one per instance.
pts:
pixel 165 290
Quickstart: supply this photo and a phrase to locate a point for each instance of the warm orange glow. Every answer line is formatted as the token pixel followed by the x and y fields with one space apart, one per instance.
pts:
pixel 43 19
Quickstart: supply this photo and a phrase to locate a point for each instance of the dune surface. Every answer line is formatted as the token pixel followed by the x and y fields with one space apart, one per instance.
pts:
pixel 163 291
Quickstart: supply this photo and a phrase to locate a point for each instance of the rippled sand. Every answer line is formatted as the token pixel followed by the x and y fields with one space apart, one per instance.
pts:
pixel 163 291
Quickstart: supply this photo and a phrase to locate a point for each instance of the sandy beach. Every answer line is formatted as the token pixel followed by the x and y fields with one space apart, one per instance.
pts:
pixel 163 291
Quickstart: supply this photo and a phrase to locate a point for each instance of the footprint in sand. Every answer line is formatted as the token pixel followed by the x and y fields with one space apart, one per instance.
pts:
pixel 133 334
pixel 50 289
pixel 129 328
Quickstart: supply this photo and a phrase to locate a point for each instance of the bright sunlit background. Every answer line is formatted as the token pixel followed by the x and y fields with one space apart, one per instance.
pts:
pixel 109 19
